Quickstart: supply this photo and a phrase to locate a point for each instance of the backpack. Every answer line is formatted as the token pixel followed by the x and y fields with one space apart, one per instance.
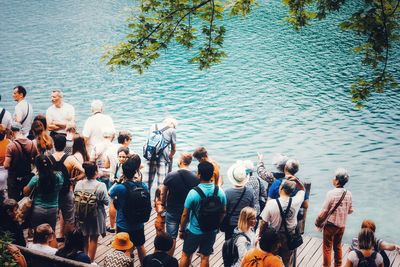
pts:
pixel 230 252
pixel 85 204
pixel 25 159
pixel 155 144
pixel 59 166
pixel 210 211
pixel 137 206
pixel 366 261
pixel 152 261
pixel 386 260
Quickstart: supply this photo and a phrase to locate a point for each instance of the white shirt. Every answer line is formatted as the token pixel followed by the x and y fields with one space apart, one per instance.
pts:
pixel 272 215
pixel 7 119
pixel 63 114
pixel 21 110
pixel 94 127
pixel 42 248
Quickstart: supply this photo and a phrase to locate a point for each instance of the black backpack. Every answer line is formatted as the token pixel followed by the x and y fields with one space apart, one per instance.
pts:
pixel 152 261
pixel 210 211
pixel 230 253
pixel 366 261
pixel 59 166
pixel 137 206
pixel 386 260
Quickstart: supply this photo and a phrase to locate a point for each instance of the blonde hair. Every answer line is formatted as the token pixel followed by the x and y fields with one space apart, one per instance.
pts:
pixel 246 214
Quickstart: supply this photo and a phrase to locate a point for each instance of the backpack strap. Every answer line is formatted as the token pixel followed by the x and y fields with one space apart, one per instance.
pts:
pixel 284 214
pixel 26 116
pixel 63 158
pixel 241 234
pixel 360 256
pixel 23 152
pixel 215 194
pixel 236 205
pixel 200 192
pixel 2 114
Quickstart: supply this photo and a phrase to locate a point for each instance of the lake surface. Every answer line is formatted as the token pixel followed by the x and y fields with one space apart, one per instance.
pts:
pixel 278 91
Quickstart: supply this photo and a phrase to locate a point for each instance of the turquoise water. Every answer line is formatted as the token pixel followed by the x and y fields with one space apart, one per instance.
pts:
pixel 278 91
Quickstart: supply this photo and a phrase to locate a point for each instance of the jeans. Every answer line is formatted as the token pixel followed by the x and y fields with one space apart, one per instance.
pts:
pixel 172 221
pixel 332 237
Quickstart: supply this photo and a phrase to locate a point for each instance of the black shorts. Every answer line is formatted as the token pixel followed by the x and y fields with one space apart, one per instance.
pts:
pixel 136 236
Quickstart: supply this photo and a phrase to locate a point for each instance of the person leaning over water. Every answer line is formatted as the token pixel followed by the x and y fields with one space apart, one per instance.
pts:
pixel 334 224
pixel 366 241
pixel 59 114
pixel 380 245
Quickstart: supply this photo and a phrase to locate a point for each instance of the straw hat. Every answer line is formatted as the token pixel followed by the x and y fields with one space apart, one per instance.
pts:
pixel 237 174
pixel 122 241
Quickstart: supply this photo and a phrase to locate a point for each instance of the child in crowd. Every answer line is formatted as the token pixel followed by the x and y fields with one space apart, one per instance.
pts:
pixel 121 256
pixel 159 223
pixel 162 244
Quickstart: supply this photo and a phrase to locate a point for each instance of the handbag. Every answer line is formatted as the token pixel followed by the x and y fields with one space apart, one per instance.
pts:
pixel 25 206
pixel 320 222
pixel 293 240
pixel 227 219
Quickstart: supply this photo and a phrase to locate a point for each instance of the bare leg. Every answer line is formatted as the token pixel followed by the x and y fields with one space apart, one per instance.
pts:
pixel 204 261
pixel 92 246
pixel 112 213
pixel 172 250
pixel 141 253
pixel 185 260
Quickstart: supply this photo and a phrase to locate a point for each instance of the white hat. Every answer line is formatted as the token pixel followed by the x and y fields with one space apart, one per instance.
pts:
pixel 237 174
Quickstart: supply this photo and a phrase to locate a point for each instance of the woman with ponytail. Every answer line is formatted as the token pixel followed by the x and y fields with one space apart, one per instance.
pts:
pixel 46 185
pixel 43 141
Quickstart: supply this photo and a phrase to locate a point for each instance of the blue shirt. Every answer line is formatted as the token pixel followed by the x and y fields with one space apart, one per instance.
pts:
pixel 192 203
pixel 274 190
pixel 118 192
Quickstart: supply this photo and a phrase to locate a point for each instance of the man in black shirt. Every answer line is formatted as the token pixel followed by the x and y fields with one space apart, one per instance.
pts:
pixel 162 244
pixel 177 185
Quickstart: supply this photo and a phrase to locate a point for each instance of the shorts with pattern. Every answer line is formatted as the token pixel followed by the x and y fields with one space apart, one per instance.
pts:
pixel 157 167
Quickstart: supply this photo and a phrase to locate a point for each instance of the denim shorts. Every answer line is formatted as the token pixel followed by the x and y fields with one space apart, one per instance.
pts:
pixel 204 242
pixel 172 222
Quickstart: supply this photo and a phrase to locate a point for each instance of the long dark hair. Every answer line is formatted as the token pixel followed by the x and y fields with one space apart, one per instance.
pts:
pixel 74 242
pixel 80 146
pixel 47 177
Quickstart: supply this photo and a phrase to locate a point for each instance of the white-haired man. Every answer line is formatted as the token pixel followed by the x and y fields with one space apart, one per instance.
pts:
pixel 160 162
pixel 59 114
pixel 96 124
pixel 332 218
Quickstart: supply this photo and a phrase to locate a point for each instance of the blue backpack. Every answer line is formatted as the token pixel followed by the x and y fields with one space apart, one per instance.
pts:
pixel 155 144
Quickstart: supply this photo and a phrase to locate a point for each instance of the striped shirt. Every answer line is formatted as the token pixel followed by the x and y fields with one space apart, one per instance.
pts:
pixel 338 217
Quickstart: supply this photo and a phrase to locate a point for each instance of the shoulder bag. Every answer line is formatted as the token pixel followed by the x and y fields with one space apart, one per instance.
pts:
pixel 227 219
pixel 320 222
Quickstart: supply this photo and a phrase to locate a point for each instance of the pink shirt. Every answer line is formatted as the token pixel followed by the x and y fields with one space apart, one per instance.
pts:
pixel 339 217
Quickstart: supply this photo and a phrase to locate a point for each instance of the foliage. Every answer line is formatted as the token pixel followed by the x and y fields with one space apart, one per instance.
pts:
pixel 6 259
pixel 198 23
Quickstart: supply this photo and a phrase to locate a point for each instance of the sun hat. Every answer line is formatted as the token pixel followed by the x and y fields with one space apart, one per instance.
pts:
pixel 237 174
pixel 122 241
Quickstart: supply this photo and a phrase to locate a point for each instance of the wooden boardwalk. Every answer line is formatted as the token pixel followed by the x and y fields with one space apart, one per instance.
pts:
pixel 308 255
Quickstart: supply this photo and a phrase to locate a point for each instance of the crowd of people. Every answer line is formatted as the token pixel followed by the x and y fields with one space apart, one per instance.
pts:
pixel 72 177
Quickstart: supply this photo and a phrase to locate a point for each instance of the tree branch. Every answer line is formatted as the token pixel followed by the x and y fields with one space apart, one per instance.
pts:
pixel 394 10
pixel 384 20
pixel 211 24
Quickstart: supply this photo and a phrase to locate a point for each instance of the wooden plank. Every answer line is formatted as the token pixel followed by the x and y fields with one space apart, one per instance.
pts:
pixel 308 254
